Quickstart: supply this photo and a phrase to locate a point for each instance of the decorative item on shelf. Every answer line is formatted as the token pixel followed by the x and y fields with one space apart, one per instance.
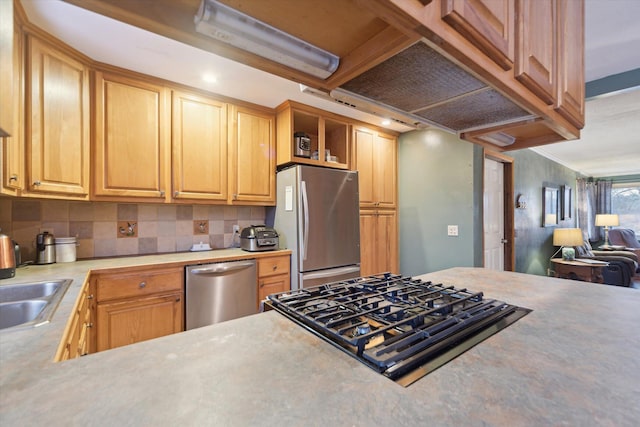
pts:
pixel 567 238
pixel 606 221
pixel 521 202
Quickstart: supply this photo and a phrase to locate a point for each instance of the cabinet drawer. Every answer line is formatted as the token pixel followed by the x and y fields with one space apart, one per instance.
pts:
pixel 273 266
pixel 138 284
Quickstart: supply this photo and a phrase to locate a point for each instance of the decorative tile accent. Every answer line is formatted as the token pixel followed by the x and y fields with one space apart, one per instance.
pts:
pixel 127 229
pixel 200 226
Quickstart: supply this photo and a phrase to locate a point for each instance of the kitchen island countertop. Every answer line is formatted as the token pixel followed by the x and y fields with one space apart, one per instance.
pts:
pixel 574 360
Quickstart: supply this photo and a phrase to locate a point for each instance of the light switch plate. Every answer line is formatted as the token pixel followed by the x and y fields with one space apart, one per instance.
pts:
pixel 452 230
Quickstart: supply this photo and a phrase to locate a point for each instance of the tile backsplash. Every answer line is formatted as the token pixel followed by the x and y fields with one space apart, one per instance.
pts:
pixel 115 229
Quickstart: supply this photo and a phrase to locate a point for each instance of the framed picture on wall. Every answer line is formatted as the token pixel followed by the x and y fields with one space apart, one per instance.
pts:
pixel 550 206
pixel 565 202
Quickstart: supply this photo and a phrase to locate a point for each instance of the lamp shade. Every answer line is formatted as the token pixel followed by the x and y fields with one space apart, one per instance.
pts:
pixel 567 237
pixel 607 220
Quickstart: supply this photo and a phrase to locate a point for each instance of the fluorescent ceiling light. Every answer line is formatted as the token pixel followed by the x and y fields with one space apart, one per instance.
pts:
pixel 498 138
pixel 228 25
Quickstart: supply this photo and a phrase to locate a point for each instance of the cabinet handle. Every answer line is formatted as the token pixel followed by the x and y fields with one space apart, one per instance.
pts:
pixel 37 183
pixel 88 325
pixel 275 267
pixel 176 194
pixel 142 285
pixel 161 193
pixel 90 296
pixel 178 299
pixel 13 177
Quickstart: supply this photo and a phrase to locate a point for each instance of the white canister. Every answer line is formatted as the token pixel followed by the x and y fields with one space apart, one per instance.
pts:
pixel 65 249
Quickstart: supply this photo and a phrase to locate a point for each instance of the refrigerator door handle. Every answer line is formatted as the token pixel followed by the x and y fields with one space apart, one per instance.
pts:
pixel 305 209
pixel 332 272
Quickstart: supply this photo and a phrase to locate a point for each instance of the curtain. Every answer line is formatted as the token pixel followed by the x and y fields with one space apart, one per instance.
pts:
pixel 592 198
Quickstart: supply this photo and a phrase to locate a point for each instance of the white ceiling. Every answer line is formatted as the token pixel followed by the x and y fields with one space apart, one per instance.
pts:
pixel 607 146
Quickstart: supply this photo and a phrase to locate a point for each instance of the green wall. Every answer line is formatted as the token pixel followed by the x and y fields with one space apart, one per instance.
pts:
pixel 534 243
pixel 438 185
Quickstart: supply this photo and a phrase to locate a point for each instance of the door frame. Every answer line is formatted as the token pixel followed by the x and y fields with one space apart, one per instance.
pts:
pixel 508 191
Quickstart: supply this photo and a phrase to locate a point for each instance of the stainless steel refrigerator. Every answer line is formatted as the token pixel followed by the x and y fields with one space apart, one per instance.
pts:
pixel 317 217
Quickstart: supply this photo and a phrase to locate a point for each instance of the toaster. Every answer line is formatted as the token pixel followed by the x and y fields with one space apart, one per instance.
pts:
pixel 258 238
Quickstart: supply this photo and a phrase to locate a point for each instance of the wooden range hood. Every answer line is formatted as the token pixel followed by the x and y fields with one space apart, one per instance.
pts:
pixel 384 47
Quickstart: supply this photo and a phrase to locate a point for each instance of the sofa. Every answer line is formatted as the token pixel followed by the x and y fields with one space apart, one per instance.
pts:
pixel 625 237
pixel 622 264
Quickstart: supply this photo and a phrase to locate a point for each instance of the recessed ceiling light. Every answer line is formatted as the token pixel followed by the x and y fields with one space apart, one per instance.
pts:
pixel 386 122
pixel 209 78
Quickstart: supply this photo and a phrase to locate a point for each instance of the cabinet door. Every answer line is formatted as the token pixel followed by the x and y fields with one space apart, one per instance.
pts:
pixel 375 159
pixel 536 46
pixel 385 171
pixel 252 157
pixel 368 243
pixel 487 24
pixel 131 147
pixel 272 285
pixel 57 122
pixel 571 89
pixel 130 321
pixel 363 142
pixel 199 147
pixel 387 242
pixel 13 177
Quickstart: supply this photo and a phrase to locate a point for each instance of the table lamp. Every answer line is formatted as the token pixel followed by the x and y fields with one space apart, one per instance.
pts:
pixel 606 221
pixel 567 238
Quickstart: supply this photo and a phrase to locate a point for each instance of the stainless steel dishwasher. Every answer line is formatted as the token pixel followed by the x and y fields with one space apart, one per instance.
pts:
pixel 219 292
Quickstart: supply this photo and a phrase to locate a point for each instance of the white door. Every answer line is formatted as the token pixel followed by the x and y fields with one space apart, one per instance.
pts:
pixel 493 215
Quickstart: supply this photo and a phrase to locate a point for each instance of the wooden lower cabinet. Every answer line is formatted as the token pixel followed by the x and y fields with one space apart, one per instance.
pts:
pixel 138 305
pixel 273 276
pixel 131 321
pixel 78 337
pixel 378 242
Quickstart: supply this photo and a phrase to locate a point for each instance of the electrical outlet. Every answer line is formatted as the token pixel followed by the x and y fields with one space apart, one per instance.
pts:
pixel 236 228
pixel 452 230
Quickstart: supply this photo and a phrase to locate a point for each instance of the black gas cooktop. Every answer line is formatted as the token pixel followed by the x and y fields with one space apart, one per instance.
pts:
pixel 402 327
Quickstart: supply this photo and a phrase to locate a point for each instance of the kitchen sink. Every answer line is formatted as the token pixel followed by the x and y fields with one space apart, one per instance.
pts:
pixel 30 304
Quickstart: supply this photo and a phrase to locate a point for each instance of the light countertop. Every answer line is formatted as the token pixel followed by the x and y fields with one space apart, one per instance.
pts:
pixel 574 360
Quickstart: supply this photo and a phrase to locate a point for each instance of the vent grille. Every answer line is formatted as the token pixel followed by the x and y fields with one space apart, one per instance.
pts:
pixel 422 83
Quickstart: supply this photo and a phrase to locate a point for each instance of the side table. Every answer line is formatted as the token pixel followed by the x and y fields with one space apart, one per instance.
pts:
pixel 577 270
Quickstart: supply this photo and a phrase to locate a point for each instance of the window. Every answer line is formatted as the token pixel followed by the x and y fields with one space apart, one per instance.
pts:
pixel 625 201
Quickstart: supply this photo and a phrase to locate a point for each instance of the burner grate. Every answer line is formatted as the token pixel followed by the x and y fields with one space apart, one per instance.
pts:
pixel 397 324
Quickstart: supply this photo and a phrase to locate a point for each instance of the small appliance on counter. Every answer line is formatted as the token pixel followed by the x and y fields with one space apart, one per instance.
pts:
pixel 257 238
pixel 302 144
pixel 45 248
pixel 7 257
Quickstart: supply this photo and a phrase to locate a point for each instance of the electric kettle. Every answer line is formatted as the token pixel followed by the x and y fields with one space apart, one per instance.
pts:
pixel 45 248
pixel 7 257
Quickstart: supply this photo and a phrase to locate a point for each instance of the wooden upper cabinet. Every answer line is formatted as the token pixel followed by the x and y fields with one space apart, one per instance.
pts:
pixel 487 24
pixel 13 177
pixel 252 158
pixel 536 47
pixel 375 157
pixel 199 147
pixel 131 138
pixel 571 79
pixel 57 136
